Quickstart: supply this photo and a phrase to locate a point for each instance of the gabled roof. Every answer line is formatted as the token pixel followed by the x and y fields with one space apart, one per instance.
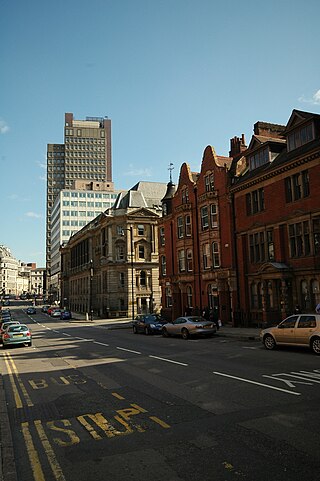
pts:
pixel 142 194
pixel 258 140
pixel 299 117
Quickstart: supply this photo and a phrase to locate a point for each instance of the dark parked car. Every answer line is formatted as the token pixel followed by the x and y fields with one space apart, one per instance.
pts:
pixel 187 326
pixel 45 308
pixel 148 324
pixel 65 315
pixel 31 310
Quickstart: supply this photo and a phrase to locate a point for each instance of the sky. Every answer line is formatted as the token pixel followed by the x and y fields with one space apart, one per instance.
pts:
pixel 172 75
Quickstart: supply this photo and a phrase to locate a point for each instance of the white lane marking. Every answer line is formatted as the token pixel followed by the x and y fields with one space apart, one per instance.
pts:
pixel 101 343
pixel 42 325
pixel 128 350
pixel 49 328
pixel 65 334
pixel 55 331
pixel 287 381
pixel 257 383
pixel 248 347
pixel 169 360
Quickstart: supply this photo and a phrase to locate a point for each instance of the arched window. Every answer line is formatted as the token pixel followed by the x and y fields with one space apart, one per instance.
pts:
pixel 143 278
pixel 189 296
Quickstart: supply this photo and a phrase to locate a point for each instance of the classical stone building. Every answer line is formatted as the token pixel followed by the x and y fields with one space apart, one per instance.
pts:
pixel 111 266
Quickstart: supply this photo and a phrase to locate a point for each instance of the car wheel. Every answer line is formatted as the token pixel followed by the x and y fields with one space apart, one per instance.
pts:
pixel 165 332
pixel 315 345
pixel 135 330
pixel 185 334
pixel 30 343
pixel 147 331
pixel 269 342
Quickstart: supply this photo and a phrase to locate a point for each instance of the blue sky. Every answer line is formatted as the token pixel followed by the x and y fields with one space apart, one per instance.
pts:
pixel 172 75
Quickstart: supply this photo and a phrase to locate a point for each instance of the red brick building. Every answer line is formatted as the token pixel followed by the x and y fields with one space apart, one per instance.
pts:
pixel 197 270
pixel 243 235
pixel 277 220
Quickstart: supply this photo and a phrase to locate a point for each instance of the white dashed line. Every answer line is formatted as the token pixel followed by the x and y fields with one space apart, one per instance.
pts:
pixel 169 360
pixel 128 350
pixel 100 343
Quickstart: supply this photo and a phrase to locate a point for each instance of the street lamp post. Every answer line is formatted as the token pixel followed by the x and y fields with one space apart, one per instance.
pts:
pixel 91 278
pixel 132 269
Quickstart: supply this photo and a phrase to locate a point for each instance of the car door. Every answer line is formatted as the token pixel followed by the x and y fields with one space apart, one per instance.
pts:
pixel 285 333
pixel 306 326
pixel 177 325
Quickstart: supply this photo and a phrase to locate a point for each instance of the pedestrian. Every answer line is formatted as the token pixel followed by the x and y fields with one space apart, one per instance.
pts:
pixel 297 309
pixel 318 308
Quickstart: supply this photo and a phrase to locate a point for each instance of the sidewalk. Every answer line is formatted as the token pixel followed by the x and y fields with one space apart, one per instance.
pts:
pixel 240 333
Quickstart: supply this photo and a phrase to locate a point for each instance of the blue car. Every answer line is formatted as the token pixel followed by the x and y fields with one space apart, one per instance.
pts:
pixel 65 315
pixel 31 310
pixel 148 324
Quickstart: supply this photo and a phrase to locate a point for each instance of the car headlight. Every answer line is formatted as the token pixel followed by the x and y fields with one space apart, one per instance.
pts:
pixel 152 325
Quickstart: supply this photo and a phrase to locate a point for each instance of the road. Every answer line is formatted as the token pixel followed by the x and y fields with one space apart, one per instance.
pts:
pixel 87 403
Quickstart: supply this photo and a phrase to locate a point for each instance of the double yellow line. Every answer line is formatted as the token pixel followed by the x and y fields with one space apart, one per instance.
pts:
pixel 17 388
pixel 16 383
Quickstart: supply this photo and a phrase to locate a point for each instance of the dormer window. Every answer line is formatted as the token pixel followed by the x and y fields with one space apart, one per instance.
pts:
pixel 259 158
pixel 300 136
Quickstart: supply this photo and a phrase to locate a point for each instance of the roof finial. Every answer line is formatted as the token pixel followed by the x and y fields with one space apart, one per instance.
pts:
pixel 171 169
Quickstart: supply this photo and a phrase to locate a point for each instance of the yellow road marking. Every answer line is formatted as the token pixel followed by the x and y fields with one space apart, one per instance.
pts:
pixel 32 453
pixel 159 421
pixel 16 395
pixel 22 387
pixel 55 466
pixel 115 394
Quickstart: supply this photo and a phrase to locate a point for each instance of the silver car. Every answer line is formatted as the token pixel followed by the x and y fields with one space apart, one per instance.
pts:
pixel 17 334
pixel 297 330
pixel 187 326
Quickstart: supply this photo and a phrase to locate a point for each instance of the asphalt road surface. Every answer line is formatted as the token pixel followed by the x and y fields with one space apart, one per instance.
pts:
pixel 87 403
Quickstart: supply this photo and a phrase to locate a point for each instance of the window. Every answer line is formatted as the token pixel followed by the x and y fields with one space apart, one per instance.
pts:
pixel 163 266
pixel 121 279
pixel 257 247
pixel 204 217
pixel 181 261
pixel 307 322
pixel 255 201
pixel 189 260
pixel 168 294
pixel 214 215
pixel 185 196
pixel 140 228
pixel 120 230
pixel 209 182
pixel 162 238
pixel 143 278
pixel 187 220
pixel 270 245
pixel 259 158
pixel 297 186
pixel 206 256
pixel 299 237
pixel 288 323
pixel 189 296
pixel 180 227
pixel 300 137
pixel 141 252
pixel 316 235
pixel 120 252
pixel 215 254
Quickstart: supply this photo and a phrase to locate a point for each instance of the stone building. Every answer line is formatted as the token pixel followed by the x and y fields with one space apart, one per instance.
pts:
pixel 111 266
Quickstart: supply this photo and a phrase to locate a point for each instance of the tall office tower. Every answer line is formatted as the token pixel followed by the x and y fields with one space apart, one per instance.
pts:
pixel 84 155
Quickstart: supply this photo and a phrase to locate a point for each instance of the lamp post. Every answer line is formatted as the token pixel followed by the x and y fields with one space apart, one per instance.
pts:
pixel 132 269
pixel 90 297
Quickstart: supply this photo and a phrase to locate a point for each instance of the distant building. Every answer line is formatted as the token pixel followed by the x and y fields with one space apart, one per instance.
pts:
pixel 85 155
pixel 9 266
pixel 111 266
pixel 72 210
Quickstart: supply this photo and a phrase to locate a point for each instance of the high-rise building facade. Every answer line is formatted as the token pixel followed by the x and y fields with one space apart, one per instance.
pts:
pixel 85 155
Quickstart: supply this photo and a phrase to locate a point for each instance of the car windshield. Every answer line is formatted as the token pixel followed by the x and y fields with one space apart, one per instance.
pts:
pixel 196 319
pixel 18 328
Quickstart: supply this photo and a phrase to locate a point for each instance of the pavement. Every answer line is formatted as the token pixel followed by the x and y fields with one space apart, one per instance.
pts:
pixel 7 463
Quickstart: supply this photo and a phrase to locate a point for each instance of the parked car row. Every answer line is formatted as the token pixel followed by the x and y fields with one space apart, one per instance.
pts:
pixel 185 326
pixel 12 332
pixel 55 311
